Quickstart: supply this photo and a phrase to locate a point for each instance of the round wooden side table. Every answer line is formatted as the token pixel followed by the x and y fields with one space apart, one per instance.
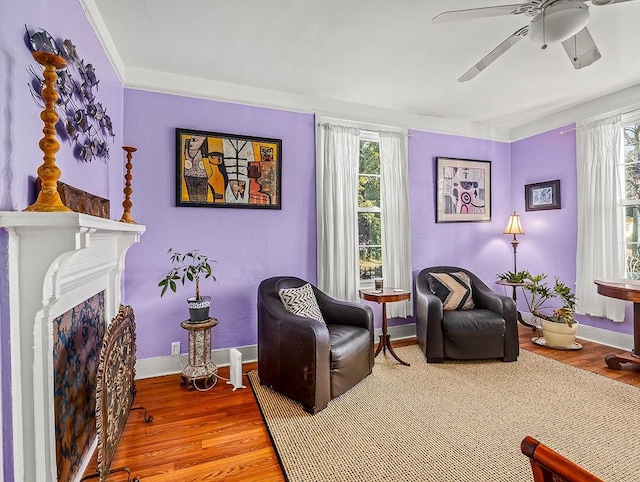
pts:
pixel 384 296
pixel 200 366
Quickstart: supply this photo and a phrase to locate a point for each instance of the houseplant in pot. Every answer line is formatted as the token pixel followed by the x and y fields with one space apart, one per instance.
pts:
pixel 189 266
pixel 559 327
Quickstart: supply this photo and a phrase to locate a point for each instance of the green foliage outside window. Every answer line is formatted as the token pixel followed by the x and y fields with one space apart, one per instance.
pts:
pixel 369 226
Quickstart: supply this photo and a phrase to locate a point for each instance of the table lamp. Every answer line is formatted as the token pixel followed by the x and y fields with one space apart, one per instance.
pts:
pixel 514 227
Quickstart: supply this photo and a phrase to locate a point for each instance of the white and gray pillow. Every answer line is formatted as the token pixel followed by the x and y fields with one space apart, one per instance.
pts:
pixel 301 301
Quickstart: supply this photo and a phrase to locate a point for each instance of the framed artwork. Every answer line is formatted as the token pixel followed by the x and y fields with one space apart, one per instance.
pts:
pixel 227 170
pixel 542 195
pixel 463 189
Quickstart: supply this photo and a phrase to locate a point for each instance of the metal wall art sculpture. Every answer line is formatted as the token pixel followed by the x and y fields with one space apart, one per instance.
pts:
pixel 84 120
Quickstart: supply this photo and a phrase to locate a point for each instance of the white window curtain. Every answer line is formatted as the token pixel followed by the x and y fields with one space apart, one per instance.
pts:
pixel 396 236
pixel 337 198
pixel 600 227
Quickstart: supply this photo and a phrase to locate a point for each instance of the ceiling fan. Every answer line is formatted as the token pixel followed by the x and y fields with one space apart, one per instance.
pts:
pixel 552 21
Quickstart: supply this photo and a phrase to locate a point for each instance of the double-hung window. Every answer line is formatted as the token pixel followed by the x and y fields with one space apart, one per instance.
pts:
pixel 369 211
pixel 630 164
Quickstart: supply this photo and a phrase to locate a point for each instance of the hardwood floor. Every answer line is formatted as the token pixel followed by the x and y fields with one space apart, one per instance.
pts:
pixel 219 435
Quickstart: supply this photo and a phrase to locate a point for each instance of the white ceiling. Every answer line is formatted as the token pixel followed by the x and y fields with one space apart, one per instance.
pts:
pixel 380 53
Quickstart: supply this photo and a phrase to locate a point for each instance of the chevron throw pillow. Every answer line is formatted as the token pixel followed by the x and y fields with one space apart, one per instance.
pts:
pixel 301 301
pixel 454 289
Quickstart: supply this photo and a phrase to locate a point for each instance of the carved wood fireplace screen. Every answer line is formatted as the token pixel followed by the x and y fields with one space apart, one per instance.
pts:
pixel 115 389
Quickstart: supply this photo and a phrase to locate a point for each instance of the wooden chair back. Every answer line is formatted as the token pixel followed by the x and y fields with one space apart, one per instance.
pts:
pixel 549 466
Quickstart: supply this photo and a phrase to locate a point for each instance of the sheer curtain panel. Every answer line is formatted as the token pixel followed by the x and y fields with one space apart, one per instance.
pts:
pixel 337 198
pixel 396 235
pixel 600 230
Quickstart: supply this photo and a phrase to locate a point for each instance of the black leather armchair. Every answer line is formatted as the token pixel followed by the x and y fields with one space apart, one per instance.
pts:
pixel 488 331
pixel 306 360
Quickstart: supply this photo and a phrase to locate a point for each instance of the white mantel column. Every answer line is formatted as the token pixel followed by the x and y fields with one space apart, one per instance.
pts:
pixel 56 261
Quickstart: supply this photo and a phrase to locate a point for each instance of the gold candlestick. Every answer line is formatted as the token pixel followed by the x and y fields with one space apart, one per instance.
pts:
pixel 127 204
pixel 49 198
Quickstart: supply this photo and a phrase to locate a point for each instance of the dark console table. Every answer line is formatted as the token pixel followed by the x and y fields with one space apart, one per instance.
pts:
pixel 628 290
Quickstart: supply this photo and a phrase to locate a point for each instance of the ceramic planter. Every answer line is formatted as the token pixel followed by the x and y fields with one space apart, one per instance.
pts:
pixel 199 309
pixel 559 335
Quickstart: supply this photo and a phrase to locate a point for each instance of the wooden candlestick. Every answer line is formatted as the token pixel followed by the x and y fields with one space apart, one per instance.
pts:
pixel 127 204
pixel 49 198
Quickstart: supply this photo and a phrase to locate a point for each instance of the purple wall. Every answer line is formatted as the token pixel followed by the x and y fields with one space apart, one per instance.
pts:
pixel 21 130
pixel 479 247
pixel 249 244
pixel 549 245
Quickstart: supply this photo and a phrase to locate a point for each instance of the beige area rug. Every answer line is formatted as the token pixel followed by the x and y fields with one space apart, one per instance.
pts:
pixel 459 421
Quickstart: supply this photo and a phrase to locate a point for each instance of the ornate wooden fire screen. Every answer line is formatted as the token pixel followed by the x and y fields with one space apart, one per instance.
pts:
pixel 115 389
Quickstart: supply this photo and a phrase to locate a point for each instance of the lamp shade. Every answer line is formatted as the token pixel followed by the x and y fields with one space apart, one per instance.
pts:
pixel 514 226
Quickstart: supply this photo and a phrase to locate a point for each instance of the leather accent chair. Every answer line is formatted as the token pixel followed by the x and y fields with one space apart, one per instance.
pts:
pixel 306 360
pixel 488 331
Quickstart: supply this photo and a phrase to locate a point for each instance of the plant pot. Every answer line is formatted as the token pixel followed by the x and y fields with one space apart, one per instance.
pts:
pixel 559 335
pixel 199 309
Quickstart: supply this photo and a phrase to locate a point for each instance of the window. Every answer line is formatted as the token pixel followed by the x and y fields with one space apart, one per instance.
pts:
pixel 369 212
pixel 631 202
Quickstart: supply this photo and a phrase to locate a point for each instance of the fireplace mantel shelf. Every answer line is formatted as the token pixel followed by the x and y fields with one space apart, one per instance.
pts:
pixel 55 261
pixel 21 219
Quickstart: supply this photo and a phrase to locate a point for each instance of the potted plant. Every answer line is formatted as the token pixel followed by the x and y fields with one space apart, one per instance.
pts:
pixel 189 267
pixel 514 276
pixel 559 327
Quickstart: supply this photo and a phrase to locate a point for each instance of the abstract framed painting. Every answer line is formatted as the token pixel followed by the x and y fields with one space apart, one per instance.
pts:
pixel 541 196
pixel 463 188
pixel 227 170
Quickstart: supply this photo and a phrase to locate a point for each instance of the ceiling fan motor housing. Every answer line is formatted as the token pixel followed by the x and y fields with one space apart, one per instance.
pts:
pixel 559 21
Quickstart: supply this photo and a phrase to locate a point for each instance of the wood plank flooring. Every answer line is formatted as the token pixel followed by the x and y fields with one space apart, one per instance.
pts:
pixel 220 435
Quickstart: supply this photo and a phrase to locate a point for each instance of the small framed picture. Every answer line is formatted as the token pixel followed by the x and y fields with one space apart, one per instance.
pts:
pixel 542 195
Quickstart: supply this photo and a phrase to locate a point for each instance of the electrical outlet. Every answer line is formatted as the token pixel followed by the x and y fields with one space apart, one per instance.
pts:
pixel 175 348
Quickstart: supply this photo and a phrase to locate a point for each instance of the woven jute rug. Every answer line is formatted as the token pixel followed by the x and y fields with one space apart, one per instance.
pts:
pixel 458 421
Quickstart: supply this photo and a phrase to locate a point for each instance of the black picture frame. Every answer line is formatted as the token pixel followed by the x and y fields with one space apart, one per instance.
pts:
pixel 542 196
pixel 214 169
pixel 463 190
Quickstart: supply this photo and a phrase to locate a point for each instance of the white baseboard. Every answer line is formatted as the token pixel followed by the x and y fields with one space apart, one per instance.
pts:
pixel 400 332
pixel 169 365
pixel 613 339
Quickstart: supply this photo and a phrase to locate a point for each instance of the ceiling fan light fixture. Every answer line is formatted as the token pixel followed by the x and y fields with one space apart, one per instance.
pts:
pixel 558 22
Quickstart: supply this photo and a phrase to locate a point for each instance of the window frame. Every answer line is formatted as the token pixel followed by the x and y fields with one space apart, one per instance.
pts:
pixel 624 202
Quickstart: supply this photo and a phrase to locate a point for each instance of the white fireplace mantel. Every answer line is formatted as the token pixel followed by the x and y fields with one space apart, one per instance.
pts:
pixel 55 262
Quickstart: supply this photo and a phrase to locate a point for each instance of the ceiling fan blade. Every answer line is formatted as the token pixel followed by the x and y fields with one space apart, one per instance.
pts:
pixel 600 3
pixel 471 13
pixel 581 49
pixel 494 54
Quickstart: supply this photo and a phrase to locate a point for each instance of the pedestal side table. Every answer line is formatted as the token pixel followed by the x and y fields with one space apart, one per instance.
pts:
pixel 200 366
pixel 515 299
pixel 628 290
pixel 384 296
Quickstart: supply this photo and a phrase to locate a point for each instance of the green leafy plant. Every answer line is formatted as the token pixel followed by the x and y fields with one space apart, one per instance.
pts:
pixel 514 276
pixel 186 267
pixel 541 294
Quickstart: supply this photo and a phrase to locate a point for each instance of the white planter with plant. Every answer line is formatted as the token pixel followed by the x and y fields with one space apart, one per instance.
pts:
pixel 189 267
pixel 559 327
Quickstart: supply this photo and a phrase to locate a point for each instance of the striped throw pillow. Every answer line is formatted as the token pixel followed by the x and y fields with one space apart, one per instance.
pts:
pixel 301 301
pixel 454 289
